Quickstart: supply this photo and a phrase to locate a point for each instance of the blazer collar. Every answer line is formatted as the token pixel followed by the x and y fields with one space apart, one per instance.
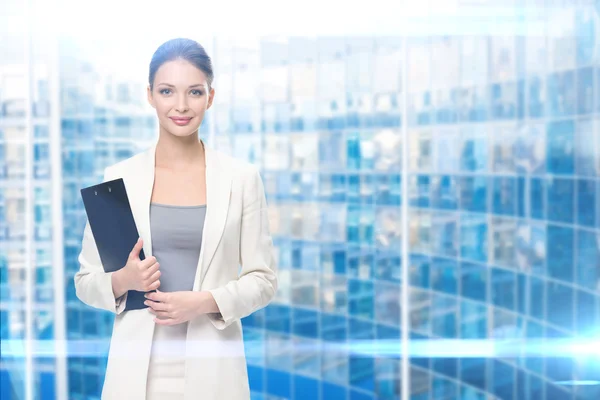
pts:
pixel 218 192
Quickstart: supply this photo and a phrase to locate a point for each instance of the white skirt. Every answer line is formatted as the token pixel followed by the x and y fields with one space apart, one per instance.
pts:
pixel 166 372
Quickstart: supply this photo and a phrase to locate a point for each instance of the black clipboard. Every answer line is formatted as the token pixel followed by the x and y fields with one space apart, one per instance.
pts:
pixel 114 230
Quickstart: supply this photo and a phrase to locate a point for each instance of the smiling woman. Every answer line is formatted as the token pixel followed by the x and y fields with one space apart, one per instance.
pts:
pixel 200 215
pixel 179 87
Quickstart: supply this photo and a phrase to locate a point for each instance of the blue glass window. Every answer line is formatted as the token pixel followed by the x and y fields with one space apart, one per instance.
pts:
pixel 536 293
pixel 521 298
pixel 536 387
pixel 473 371
pixel 420 316
pixel 505 100
pixel 388 189
pixel 305 323
pixel 387 302
pixel 444 388
pixel 360 330
pixel 444 192
pixel 586 148
pixel 445 234
pixel 587 313
pixel 474 154
pixel 473 317
pixel 504 379
pixel 531 197
pixel 587 272
pixel 444 311
pixel 560 200
pixel 356 395
pixel 473 281
pixel 559 369
pixel 360 298
pixel 559 305
pixel 560 144
pixel 305 388
pixel 388 266
pixel 585 90
pixel 333 327
pixel 503 288
pixel 85 129
pixel 469 393
pixel 505 190
pixel 473 237
pixel 75 382
pixel 588 202
pixel 419 271
pixel 353 218
pixel 353 188
pixel 561 93
pixel 388 378
pixel 362 373
pixel 279 383
pixel 419 190
pixel 278 318
pixel 560 253
pixel 331 391
pixel 444 275
pixel 537 97
pixel 479 98
pixel 597 89
pixel 473 194
pixel 41 152
pixel 384 332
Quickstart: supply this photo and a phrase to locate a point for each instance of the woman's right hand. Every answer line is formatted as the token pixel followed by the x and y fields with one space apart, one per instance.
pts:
pixel 140 275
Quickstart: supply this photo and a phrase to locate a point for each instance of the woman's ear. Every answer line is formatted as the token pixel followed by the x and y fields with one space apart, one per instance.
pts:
pixel 150 98
pixel 211 97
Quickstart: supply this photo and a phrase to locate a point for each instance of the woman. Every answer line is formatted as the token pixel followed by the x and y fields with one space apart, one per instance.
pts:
pixel 201 215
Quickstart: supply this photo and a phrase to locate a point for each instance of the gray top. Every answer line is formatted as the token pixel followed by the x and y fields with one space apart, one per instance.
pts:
pixel 176 241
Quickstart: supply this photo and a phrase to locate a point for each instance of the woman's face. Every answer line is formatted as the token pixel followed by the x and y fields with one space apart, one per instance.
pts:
pixel 180 96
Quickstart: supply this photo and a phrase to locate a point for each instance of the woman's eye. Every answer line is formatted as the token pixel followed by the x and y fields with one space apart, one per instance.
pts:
pixel 165 91
pixel 197 92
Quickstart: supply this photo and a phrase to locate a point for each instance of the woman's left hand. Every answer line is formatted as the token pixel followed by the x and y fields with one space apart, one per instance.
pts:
pixel 172 308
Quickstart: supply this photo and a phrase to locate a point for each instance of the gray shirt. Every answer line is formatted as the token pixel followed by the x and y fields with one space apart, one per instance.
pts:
pixel 176 241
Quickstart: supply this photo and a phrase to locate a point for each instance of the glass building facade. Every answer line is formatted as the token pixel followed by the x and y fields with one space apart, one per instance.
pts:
pixel 439 194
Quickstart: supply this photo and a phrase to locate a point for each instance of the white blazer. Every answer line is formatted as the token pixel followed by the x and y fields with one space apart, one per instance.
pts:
pixel 236 233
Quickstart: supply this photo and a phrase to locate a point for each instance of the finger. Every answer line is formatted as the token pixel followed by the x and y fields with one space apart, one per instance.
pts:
pixel 156 305
pixel 135 252
pixel 148 262
pixel 156 296
pixel 150 271
pixel 153 286
pixel 154 277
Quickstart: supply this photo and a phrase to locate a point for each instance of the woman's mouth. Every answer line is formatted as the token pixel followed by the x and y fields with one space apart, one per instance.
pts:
pixel 181 121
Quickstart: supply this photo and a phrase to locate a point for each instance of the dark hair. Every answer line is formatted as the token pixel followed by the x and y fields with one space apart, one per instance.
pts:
pixel 184 49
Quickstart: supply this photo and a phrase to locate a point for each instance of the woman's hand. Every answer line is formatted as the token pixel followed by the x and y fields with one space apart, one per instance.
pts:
pixel 172 308
pixel 140 275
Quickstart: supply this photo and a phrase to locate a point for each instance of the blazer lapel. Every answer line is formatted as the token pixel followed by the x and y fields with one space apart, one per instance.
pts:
pixel 218 192
pixel 141 183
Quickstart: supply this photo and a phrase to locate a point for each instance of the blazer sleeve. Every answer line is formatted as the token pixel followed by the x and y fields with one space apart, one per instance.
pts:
pixel 93 285
pixel 257 283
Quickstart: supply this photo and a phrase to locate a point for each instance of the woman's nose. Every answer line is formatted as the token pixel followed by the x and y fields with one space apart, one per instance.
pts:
pixel 182 105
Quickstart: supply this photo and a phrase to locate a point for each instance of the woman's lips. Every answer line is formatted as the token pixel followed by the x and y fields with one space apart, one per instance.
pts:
pixel 181 121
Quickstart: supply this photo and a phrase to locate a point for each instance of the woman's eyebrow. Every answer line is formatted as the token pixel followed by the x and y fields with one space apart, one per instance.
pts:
pixel 192 86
